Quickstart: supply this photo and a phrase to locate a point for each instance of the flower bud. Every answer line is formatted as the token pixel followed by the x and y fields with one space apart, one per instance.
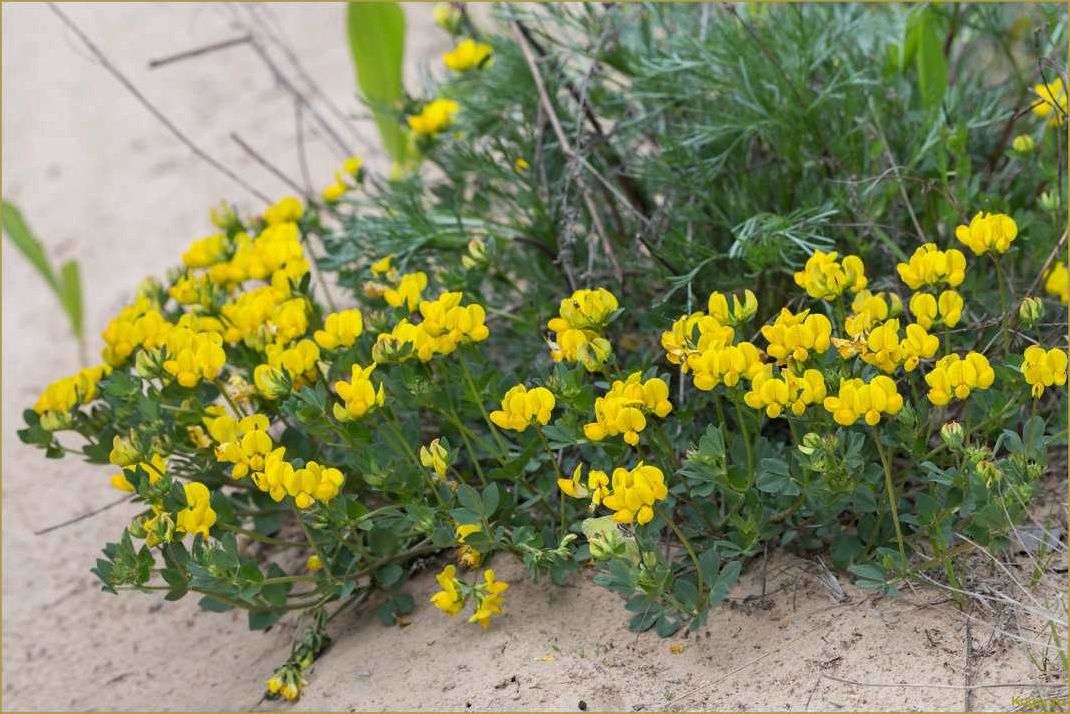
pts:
pixel 55 421
pixel 953 435
pixel 124 452
pixel 1031 311
pixel 447 16
pixel 1023 143
pixel 313 563
pixel 436 456
pixel 1049 201
pixel 148 364
pixel 271 382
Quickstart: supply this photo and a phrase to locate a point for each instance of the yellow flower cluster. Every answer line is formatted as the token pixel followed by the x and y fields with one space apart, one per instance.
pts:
pixel 523 407
pixel 883 348
pixel 578 328
pixel 446 325
pixel 408 292
pixel 789 391
pixel 930 267
pixel 825 277
pixel 155 467
pixel 454 594
pixel 797 336
pixel 988 232
pixel 359 395
pixel 622 410
pixel 467 55
pixel 1043 368
pixel 307 485
pixel 435 117
pixel 198 516
pixel 1052 104
pixel 692 335
pixel 702 343
pixel 435 456
pixel 634 493
pixel 929 310
pixel 137 325
pixel 66 393
pixel 193 356
pixel 858 399
pixel 340 329
pixel 245 443
pixel 266 314
pixel 1057 282
pixel 597 487
pixel 725 365
pixel 300 361
pixel 954 377
pixel 869 310
pixel 739 313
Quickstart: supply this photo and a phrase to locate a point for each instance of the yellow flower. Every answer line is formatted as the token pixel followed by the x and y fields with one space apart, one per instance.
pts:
pixel 275 473
pixel 796 336
pixel 193 356
pixel 988 232
pixel 489 599
pixel 334 191
pixel 314 564
pixel 694 334
pixel 300 361
pixel 1023 144
pixel 931 267
pixel 1043 368
pixel 523 407
pixel 408 291
pixel 313 483
pixel 155 468
pixel 1052 102
pixel 864 400
pixel 882 347
pixel 521 164
pixel 207 251
pixel 158 528
pixel 270 381
pixel 1057 282
pixel 578 327
pixel 446 16
pixel 738 314
pixel 725 365
pixel 464 530
pixel 870 309
pixel 449 599
pixel 340 329
pixel 352 166
pixel 635 492
pixel 928 310
pixel 954 377
pixel 917 345
pixel 435 117
pixel 66 393
pixel 791 391
pixel 137 325
pixel 382 266
pixel 467 55
pixel 436 457
pixel 622 410
pixel 245 444
pixel 826 278
pixel 597 487
pixel 286 210
pixel 359 395
pixel 198 515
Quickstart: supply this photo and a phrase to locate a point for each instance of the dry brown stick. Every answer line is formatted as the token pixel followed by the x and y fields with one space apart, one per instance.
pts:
pixel 82 517
pixel 274 170
pixel 566 147
pixel 198 51
pixel 178 134
pixel 302 149
pixel 997 685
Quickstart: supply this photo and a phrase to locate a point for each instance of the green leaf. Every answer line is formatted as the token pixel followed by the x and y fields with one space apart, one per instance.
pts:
pixel 67 286
pixel 491 498
pixel 377 42
pixel 930 61
pixel 470 499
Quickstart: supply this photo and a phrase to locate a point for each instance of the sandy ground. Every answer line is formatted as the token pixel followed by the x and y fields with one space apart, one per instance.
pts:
pixel 101 180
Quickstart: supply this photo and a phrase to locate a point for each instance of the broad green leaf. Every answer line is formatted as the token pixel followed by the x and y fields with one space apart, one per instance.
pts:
pixel 377 42
pixel 930 61
pixel 70 294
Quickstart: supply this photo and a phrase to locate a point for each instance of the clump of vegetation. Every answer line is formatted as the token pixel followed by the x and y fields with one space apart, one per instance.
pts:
pixel 655 288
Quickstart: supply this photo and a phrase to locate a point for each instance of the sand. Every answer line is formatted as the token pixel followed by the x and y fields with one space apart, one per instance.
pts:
pixel 100 180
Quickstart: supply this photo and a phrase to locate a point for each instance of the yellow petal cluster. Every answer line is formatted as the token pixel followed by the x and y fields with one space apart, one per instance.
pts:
pixel 245 443
pixel 578 328
pixel 198 516
pixel 797 336
pixel 68 392
pixel 739 313
pixel 870 309
pixel 724 365
pixel 988 232
pixel 622 410
pixel 340 329
pixel 954 377
pixel 929 310
pixel 435 117
pixel 309 484
pixel 931 267
pixel 693 334
pixel 1057 282
pixel 523 407
pixel 825 277
pixel 446 324
pixel 467 55
pixel 858 399
pixel 1043 368
pixel 634 493
pixel 193 356
pixel 359 395
pixel 407 292
pixel 1052 104
pixel 789 391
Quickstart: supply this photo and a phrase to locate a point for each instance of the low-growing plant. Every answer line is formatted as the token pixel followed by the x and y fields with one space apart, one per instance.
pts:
pixel 670 301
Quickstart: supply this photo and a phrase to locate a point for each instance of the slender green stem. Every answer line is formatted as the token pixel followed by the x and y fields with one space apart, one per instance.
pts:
pixel 253 535
pixel 482 409
pixel 557 471
pixel 223 390
pixel 890 488
pixel 312 542
pixel 746 440
pixel 1005 334
pixel 694 559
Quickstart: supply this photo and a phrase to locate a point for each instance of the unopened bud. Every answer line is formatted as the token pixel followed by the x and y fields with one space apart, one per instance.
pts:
pixel 1031 311
pixel 953 435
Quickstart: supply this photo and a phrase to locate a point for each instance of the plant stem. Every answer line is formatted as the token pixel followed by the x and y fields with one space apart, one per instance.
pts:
pixel 746 440
pixel 253 535
pixel 694 559
pixel 891 494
